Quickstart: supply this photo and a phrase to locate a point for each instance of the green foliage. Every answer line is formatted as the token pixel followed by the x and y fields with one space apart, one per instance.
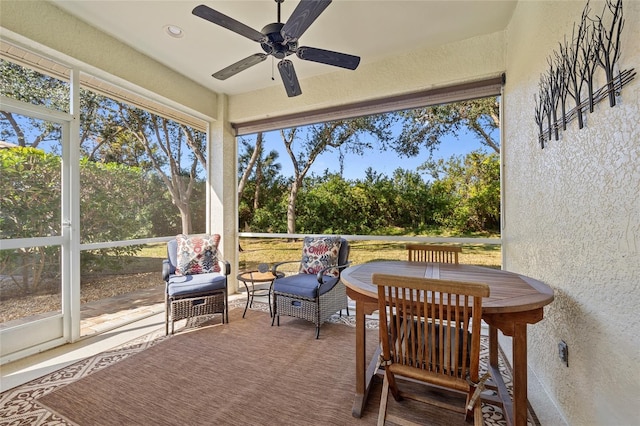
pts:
pixel 376 205
pixel 463 198
pixel 471 187
pixel 326 207
pixel 266 220
pixel 427 126
pixel 117 202
pixel 44 90
pixel 114 206
pixel 29 207
pixel 111 194
pixel 30 204
pixel 110 132
pixel 260 201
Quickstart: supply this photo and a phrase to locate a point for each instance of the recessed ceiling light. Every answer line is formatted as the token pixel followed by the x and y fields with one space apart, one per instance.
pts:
pixel 174 31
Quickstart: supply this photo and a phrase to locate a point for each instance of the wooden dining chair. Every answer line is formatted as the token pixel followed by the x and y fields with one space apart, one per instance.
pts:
pixel 433 253
pixel 430 333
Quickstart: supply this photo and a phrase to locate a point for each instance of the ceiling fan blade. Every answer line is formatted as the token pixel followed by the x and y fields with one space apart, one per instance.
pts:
pixel 328 57
pixel 205 12
pixel 289 78
pixel 302 17
pixel 241 65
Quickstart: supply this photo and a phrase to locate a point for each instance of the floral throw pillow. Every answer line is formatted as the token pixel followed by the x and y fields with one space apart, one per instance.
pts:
pixel 197 254
pixel 318 253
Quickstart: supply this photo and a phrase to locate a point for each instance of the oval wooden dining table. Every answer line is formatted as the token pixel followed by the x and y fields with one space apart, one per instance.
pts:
pixel 515 301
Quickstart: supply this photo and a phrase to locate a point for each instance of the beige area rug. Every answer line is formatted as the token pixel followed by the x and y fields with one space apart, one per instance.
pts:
pixel 242 373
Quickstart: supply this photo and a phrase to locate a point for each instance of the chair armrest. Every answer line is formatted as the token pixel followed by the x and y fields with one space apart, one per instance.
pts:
pixel 166 269
pixel 275 267
pixel 321 272
pixel 225 267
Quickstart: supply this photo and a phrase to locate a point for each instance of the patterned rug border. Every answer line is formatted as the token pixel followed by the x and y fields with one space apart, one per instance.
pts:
pixel 20 405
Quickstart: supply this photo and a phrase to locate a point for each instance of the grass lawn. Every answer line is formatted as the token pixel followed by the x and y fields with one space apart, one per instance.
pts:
pixel 144 271
pixel 268 250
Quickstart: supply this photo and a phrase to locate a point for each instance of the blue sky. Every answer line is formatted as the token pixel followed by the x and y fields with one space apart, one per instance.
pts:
pixel 382 162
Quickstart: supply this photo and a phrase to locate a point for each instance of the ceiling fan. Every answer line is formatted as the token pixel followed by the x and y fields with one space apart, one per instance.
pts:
pixel 280 40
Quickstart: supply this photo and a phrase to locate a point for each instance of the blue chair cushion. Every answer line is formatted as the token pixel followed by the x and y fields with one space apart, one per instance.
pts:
pixel 172 255
pixel 185 285
pixel 304 285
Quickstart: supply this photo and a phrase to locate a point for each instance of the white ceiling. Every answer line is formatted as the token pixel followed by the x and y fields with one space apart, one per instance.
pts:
pixel 371 29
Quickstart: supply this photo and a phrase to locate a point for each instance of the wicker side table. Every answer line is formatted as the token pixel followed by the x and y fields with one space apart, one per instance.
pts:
pixel 257 277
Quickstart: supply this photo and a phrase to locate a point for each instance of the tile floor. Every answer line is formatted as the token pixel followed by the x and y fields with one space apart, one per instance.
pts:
pixel 107 314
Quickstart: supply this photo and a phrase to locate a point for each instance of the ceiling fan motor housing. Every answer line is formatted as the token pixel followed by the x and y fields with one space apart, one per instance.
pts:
pixel 275 44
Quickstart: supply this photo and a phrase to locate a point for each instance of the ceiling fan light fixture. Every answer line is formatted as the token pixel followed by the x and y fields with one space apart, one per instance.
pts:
pixel 174 31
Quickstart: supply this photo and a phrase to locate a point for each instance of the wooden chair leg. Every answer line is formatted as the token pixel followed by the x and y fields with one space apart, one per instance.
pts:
pixel 382 413
pixel 476 412
pixel 478 420
pixel 393 386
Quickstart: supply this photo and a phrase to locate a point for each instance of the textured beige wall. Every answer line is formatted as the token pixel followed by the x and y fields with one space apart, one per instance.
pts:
pixel 572 220
pixel 420 69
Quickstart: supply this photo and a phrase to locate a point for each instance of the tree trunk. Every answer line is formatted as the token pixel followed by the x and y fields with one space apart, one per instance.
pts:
pixel 291 207
pixel 185 216
pixel 257 150
pixel 256 193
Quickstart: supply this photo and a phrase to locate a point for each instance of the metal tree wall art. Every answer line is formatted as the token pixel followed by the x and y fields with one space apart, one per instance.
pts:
pixel 594 49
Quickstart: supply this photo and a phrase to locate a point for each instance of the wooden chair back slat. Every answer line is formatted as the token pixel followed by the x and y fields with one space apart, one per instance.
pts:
pixel 433 253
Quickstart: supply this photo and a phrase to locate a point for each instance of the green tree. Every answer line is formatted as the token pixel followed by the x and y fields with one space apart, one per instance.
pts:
pixel 29 207
pixel 247 160
pixel 325 206
pixel 175 152
pixel 427 126
pixel 121 194
pixel 471 186
pixel 31 87
pixel 259 179
pixel 413 204
pixel 305 145
pixel 111 131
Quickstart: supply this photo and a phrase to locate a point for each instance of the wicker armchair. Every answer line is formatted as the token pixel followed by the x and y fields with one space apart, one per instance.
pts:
pixel 197 287
pixel 316 292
